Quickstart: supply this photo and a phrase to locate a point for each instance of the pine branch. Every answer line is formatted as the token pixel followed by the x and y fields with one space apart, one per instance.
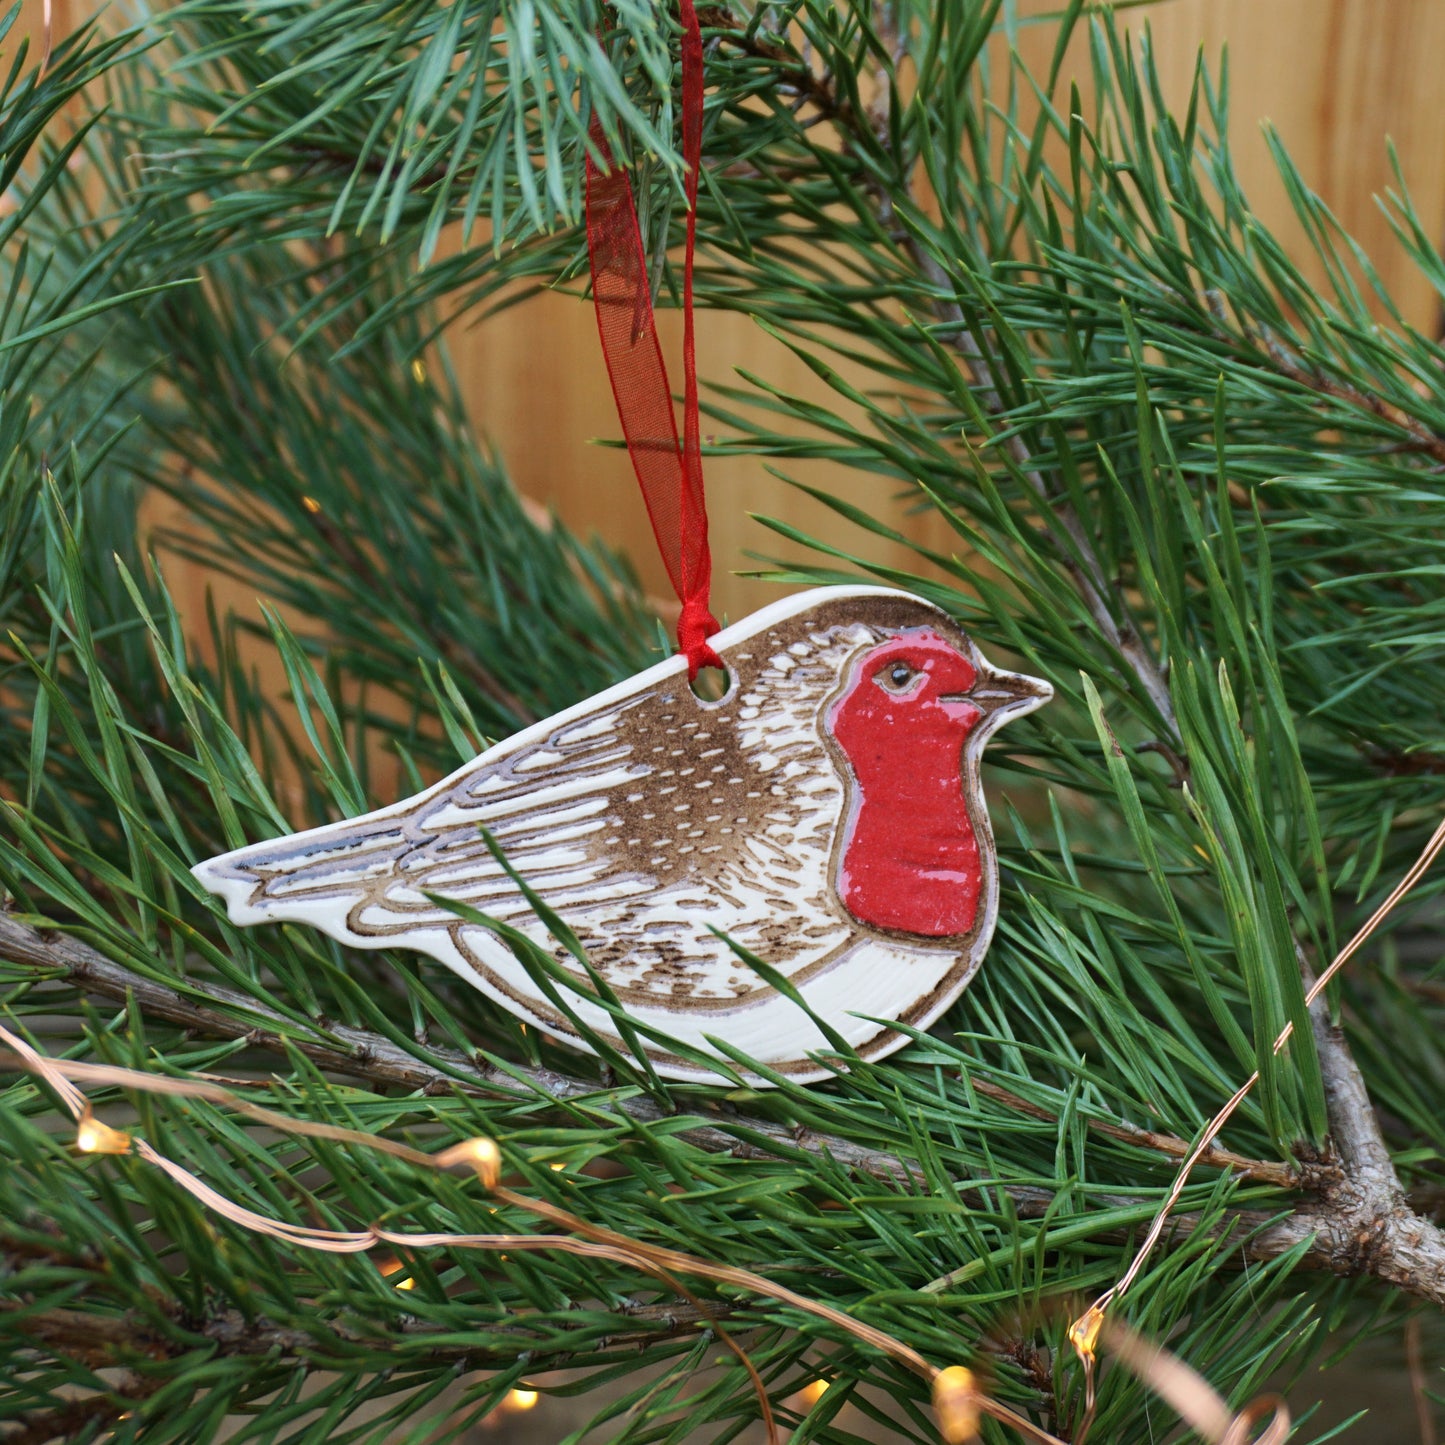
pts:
pixel 1177 459
pixel 1361 1225
pixel 464 661
pixel 221 1012
pixel 1307 1176
pixel 1418 437
pixel 1350 1233
pixel 110 1341
pixel 1105 603
pixel 359 1053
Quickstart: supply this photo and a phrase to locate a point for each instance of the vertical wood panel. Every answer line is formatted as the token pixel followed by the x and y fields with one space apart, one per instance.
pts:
pixel 1337 79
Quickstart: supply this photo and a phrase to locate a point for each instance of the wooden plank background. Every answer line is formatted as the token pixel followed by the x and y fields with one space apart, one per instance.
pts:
pixel 1336 77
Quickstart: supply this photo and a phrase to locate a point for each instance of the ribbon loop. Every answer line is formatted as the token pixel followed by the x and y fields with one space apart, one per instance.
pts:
pixel 668 468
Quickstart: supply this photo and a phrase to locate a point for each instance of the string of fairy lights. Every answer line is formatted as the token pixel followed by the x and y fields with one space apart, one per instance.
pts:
pixel 959 1400
pixel 953 1388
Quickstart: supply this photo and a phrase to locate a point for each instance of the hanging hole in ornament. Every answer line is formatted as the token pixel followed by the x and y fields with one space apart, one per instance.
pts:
pixel 712 684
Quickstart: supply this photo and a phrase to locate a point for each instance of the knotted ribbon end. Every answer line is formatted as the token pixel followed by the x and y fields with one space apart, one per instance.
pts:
pixel 694 628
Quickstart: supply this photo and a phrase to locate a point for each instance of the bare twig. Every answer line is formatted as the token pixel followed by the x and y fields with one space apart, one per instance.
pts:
pixel 1396 764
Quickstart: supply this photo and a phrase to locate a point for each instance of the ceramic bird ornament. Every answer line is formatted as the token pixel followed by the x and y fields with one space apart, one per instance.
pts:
pixel 826 814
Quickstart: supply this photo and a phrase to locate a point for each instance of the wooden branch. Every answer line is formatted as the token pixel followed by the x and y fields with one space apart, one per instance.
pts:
pixel 103 1341
pixel 1348 1232
pixel 1376 1228
pixel 1283 1176
pixel 1418 437
pixel 1362 1223
pixel 111 1341
pixel 70 1420
pixel 358 1053
pixel 1404 765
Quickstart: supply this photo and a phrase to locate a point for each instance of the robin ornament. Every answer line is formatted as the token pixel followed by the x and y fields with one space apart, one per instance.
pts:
pixel 826 814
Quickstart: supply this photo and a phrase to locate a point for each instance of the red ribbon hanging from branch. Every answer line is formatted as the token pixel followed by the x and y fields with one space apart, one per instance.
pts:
pixel 669 470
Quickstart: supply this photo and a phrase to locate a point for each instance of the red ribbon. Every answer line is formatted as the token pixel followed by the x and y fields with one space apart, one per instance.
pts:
pixel 669 471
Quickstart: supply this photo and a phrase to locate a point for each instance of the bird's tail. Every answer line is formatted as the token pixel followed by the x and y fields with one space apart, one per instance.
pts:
pixel 314 877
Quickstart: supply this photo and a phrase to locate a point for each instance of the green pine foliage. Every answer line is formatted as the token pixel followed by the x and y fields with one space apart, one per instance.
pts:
pixel 1197 492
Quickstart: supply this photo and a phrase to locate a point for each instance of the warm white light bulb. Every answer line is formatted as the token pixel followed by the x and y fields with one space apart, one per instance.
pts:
pixel 389 1267
pixel 955 1401
pixel 93 1137
pixel 481 1154
pixel 1084 1333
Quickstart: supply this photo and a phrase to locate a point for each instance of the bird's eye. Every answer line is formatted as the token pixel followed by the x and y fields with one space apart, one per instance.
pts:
pixel 896 677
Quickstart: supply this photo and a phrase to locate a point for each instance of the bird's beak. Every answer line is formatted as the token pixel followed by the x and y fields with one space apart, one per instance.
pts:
pixel 1003 696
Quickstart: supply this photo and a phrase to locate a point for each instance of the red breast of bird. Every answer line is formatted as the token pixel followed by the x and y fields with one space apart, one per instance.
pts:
pixel 826 814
